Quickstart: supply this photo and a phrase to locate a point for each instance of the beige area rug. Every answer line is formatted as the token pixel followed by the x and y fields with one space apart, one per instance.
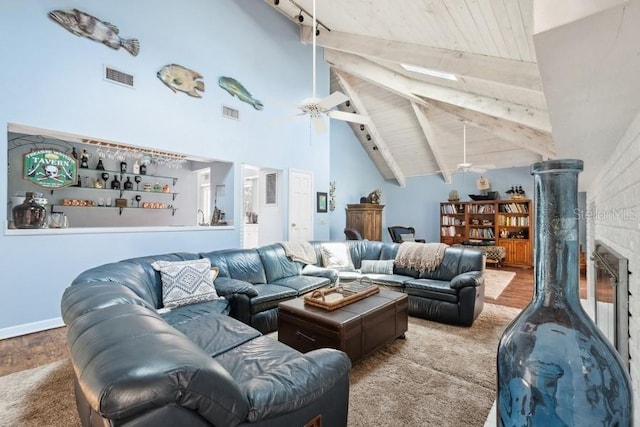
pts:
pixel 495 281
pixel 440 375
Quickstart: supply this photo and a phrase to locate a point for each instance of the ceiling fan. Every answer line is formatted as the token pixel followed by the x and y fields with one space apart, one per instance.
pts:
pixel 466 166
pixel 317 108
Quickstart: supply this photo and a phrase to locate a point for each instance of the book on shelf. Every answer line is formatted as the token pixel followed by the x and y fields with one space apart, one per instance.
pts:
pixel 519 208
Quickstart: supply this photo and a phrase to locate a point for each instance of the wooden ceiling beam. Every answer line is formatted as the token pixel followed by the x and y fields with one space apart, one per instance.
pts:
pixel 429 133
pixel 383 148
pixel 521 136
pixel 368 71
pixel 502 71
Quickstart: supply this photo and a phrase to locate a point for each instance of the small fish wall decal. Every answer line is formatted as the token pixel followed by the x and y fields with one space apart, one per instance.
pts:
pixel 82 24
pixel 177 77
pixel 235 88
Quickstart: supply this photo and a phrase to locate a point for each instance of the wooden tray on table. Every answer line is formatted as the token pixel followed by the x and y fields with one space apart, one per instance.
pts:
pixel 345 294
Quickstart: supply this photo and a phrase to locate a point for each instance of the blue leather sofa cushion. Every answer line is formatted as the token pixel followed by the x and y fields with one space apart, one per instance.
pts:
pixel 216 333
pixel 188 312
pixel 456 261
pixel 241 264
pixel 269 296
pixel 302 284
pixel 363 249
pixel 134 276
pixel 431 289
pixel 276 264
pixel 227 286
pixel 85 297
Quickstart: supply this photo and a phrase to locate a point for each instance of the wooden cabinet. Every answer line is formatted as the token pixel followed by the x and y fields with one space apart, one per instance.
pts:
pixel 518 252
pixel 367 219
pixel 505 223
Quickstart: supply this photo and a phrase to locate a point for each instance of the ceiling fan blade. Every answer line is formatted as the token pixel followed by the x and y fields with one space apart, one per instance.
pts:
pixel 348 117
pixel 332 100
pixel 318 124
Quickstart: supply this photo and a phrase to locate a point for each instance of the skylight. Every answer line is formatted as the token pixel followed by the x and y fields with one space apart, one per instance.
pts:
pixel 429 72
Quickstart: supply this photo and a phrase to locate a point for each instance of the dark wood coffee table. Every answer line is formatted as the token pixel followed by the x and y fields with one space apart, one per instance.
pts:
pixel 357 329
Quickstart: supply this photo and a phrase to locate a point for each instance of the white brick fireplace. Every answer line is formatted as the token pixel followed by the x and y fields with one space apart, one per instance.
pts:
pixel 613 217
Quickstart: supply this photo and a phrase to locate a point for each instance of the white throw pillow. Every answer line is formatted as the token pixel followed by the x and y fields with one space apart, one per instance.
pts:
pixel 368 266
pixel 186 282
pixel 336 256
pixel 407 237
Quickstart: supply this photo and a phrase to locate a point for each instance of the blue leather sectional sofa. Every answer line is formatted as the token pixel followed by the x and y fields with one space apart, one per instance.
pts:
pixel 209 363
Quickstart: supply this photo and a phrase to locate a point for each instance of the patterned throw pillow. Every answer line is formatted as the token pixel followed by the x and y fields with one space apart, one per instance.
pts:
pixel 336 256
pixel 376 267
pixel 186 282
pixel 408 237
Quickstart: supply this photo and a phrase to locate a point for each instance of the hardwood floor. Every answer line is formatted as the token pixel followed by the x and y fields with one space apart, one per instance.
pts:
pixel 29 351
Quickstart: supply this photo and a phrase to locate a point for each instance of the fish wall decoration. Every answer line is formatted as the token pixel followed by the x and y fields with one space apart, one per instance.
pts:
pixel 177 77
pixel 82 24
pixel 235 88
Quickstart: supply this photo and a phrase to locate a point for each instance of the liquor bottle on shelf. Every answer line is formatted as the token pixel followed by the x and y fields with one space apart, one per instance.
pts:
pixel 136 168
pixel 128 185
pixel 143 169
pixel 115 184
pixel 100 166
pixel 123 167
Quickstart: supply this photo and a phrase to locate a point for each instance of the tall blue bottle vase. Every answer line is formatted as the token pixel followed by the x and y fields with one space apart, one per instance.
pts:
pixel 554 366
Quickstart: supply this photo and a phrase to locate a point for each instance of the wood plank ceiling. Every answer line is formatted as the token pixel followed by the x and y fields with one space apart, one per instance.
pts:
pixel 416 120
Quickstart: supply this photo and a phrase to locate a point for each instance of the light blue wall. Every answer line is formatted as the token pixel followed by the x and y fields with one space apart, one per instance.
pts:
pixel 52 79
pixel 415 205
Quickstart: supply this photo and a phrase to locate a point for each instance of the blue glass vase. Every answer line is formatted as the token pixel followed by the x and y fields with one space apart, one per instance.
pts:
pixel 554 366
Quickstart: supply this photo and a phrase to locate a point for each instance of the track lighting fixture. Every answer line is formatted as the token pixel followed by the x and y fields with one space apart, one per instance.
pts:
pixel 276 2
pixel 361 127
pixel 317 31
pixel 348 103
pixel 368 137
pixel 375 148
pixel 300 17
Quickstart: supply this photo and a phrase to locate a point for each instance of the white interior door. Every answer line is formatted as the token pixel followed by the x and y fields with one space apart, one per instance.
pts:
pixel 270 220
pixel 300 205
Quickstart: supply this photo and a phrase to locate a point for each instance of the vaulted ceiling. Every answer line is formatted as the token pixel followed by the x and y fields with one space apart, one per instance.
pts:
pixel 417 121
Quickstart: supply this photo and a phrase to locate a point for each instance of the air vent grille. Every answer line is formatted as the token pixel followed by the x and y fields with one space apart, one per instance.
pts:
pixel 119 77
pixel 230 113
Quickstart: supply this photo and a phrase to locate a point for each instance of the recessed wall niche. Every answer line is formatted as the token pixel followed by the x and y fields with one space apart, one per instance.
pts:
pixel 117 184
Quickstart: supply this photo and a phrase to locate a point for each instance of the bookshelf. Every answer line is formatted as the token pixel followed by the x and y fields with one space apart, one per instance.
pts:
pixel 506 223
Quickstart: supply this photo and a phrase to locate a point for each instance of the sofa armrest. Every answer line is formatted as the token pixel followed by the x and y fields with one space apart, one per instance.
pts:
pixel 227 286
pixel 471 278
pixel 316 271
pixel 296 383
pixel 128 361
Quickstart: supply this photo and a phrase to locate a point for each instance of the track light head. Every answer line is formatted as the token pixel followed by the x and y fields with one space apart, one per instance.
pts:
pixel 368 137
pixel 276 2
pixel 300 17
pixel 375 148
pixel 347 103
pixel 317 31
pixel 361 127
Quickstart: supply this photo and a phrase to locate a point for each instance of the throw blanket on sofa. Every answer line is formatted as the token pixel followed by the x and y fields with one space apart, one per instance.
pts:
pixel 420 256
pixel 300 251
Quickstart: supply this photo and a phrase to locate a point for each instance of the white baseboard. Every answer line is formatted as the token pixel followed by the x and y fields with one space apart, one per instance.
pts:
pixel 29 328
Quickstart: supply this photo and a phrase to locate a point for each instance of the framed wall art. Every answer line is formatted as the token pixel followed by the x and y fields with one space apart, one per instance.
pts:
pixel 321 202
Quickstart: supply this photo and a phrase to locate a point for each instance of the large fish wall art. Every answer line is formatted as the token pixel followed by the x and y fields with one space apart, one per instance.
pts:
pixel 84 25
pixel 177 77
pixel 235 88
